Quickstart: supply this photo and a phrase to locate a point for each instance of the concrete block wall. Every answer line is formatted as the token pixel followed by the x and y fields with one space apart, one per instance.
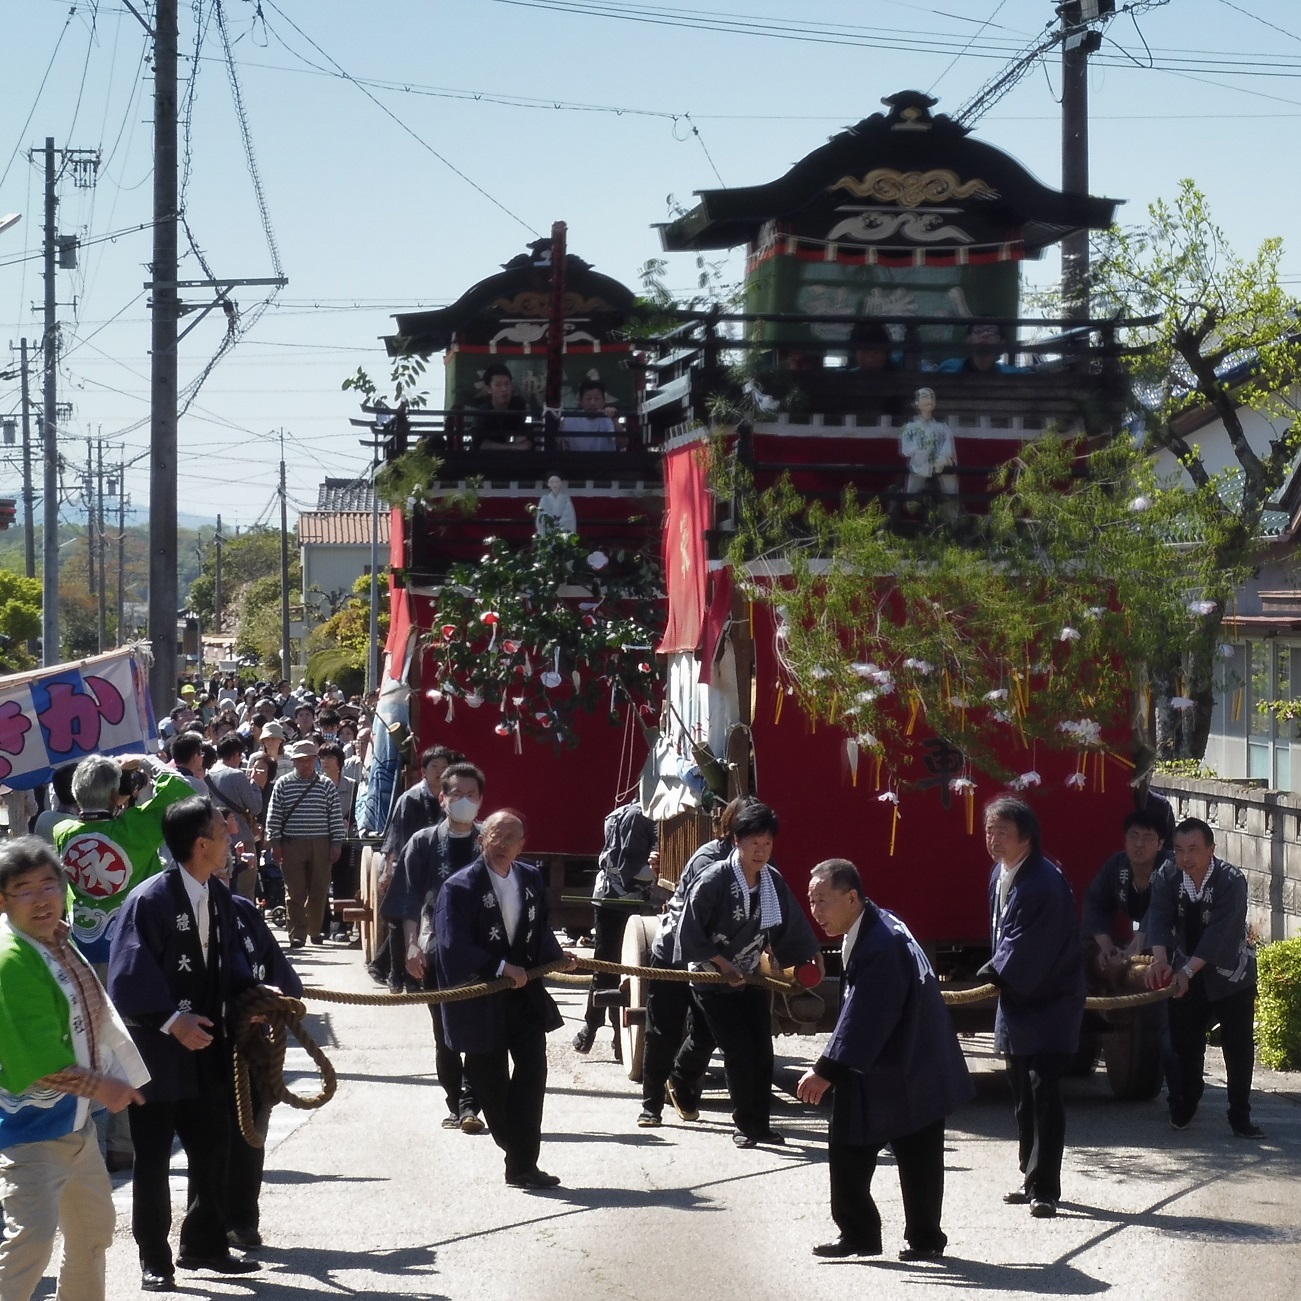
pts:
pixel 1257 830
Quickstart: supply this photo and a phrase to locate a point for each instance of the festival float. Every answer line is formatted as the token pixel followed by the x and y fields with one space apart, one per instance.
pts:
pixel 881 347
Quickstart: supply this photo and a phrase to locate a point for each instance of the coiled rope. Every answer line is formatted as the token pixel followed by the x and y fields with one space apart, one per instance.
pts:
pixel 266 1019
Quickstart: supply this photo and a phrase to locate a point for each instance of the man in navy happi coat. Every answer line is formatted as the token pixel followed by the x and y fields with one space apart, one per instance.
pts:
pixel 1038 968
pixel 491 920
pixel 894 1067
pixel 176 966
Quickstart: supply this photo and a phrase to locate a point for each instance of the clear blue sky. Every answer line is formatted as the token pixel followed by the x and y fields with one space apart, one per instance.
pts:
pixel 369 220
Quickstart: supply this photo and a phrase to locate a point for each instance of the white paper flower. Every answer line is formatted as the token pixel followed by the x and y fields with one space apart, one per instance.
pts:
pixel 919 666
pixel 598 560
pixel 1182 702
pixel 884 680
pixel 867 741
pixel 817 672
pixel 863 670
pixel 866 697
pixel 1001 716
pixel 957 702
pixel 1140 504
pixel 551 679
pixel 1083 731
pixel 887 797
pixel 960 784
pixel 1095 612
pixel 999 693
pixel 473 699
pixel 1076 781
pixel 1228 652
pixel 1202 608
pixel 1026 780
pixel 1068 634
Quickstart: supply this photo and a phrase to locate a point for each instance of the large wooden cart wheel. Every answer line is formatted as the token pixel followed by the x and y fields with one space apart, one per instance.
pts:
pixel 368 893
pixel 1132 1053
pixel 637 940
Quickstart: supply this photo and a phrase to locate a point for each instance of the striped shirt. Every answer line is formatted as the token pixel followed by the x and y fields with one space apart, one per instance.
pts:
pixel 302 808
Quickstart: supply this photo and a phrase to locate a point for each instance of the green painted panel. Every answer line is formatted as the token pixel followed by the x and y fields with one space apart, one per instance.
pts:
pixel 790 284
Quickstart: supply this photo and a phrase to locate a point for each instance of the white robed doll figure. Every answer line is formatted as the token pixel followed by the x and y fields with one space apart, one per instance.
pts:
pixel 927 445
pixel 555 509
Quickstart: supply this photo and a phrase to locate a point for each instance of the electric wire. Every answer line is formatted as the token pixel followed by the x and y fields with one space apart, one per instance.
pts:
pixel 424 144
pixel 22 134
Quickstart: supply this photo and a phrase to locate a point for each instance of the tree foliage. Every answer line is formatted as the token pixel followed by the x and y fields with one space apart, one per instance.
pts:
pixel 1225 340
pixel 20 620
pixel 1021 620
pixel 337 651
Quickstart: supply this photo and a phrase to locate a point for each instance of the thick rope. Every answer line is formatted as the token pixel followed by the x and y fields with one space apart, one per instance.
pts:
pixel 459 993
pixel 259 1053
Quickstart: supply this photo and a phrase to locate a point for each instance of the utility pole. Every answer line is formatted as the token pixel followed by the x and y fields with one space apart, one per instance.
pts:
pixel 284 566
pixel 49 431
pixel 216 586
pixel 372 655
pixel 121 552
pixel 29 524
pixel 90 521
pixel 101 543
pixel 1079 40
pixel 163 593
pixel 60 251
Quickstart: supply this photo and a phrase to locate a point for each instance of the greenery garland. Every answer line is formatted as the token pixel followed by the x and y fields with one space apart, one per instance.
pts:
pixel 542 632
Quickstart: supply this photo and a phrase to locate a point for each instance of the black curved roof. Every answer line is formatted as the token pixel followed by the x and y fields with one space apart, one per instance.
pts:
pixel 908 139
pixel 522 288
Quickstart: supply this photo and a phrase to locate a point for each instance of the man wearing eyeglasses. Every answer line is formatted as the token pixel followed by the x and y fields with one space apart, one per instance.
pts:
pixel 62 1048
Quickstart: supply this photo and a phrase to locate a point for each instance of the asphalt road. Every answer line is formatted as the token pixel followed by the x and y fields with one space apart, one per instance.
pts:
pixel 369 1197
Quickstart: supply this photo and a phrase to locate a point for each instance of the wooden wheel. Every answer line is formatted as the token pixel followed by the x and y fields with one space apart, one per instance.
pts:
pixel 368 893
pixel 637 940
pixel 1132 1053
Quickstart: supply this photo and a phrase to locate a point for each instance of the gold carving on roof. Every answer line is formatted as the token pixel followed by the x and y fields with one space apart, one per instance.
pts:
pixel 889 185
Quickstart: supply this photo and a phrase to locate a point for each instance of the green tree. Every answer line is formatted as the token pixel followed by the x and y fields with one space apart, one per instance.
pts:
pixel 20 619
pixel 1224 339
pixel 337 651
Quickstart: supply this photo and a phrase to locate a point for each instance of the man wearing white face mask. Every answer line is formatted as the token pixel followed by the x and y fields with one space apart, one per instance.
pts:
pixel 424 863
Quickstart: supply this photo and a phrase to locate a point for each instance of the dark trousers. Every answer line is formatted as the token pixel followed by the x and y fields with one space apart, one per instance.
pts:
pixel 1190 1018
pixel 741 1023
pixel 678 1043
pixel 512 1099
pixel 244 1177
pixel 1040 1120
pixel 447 1061
pixel 608 926
pixel 919 1158
pixel 203 1127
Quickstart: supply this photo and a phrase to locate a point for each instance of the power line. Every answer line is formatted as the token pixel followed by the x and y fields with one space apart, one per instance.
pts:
pixel 424 144
pixel 22 135
pixel 930 90
pixel 1265 21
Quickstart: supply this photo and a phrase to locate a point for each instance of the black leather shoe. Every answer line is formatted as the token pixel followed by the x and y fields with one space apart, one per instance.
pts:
pixel 244 1239
pixel 152 1281
pixel 218 1264
pixel 742 1139
pixel 1043 1208
pixel 1017 1197
pixel 297 944
pixel 585 1038
pixel 1248 1131
pixel 534 1179
pixel 772 1138
pixel 921 1253
pixel 841 1248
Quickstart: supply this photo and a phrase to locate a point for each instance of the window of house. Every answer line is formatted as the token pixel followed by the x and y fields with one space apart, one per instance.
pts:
pixel 1269 740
